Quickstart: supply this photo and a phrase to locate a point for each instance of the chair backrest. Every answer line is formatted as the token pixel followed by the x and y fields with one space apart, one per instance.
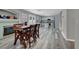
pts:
pixel 32 27
pixel 37 26
pixel 25 23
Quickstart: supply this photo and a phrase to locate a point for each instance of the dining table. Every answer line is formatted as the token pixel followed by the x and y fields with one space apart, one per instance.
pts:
pixel 19 33
pixel 26 31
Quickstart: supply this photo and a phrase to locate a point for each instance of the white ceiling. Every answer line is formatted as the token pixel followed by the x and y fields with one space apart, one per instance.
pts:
pixel 44 12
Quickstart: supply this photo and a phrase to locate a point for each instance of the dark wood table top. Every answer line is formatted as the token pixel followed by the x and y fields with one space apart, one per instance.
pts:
pixel 20 28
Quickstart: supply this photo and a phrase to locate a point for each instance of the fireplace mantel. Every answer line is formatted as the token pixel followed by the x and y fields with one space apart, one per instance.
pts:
pixel 6 22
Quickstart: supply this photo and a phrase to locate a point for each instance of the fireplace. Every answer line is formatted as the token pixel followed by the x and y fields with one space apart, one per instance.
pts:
pixel 8 30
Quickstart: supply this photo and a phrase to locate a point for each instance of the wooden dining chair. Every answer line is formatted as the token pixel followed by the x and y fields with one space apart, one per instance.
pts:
pixel 33 32
pixel 30 35
pixel 27 35
pixel 17 33
pixel 37 30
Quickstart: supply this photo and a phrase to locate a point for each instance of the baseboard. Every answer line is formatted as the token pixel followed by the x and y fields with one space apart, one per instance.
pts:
pixel 70 40
pixel 67 38
pixel 64 35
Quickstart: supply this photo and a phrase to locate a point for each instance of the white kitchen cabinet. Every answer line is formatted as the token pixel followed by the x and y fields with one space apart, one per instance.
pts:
pixel 6 22
pixel 1 32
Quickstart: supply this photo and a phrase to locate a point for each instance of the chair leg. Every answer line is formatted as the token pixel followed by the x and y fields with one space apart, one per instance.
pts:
pixel 22 40
pixel 15 41
pixel 38 34
pixel 16 38
pixel 24 44
pixel 34 37
pixel 29 42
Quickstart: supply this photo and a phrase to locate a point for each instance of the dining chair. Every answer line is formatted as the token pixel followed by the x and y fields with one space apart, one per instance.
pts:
pixel 37 30
pixel 31 35
pixel 19 35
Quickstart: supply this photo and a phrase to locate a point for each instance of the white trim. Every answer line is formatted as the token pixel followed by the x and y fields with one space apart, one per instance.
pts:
pixel 64 35
pixel 70 40
pixel 66 38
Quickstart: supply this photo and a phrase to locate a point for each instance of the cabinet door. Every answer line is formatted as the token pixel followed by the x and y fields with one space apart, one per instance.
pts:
pixel 1 32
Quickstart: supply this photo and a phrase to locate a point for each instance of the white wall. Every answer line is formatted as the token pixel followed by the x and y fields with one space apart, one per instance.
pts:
pixel 64 22
pixel 76 26
pixel 73 25
pixel 21 13
pixel 68 23
pixel 57 19
pixel 22 16
pixel 71 18
pixel 38 19
pixel 47 17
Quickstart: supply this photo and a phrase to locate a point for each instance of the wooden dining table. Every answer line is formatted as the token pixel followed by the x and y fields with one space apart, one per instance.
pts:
pixel 20 28
pixel 25 32
pixel 19 33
